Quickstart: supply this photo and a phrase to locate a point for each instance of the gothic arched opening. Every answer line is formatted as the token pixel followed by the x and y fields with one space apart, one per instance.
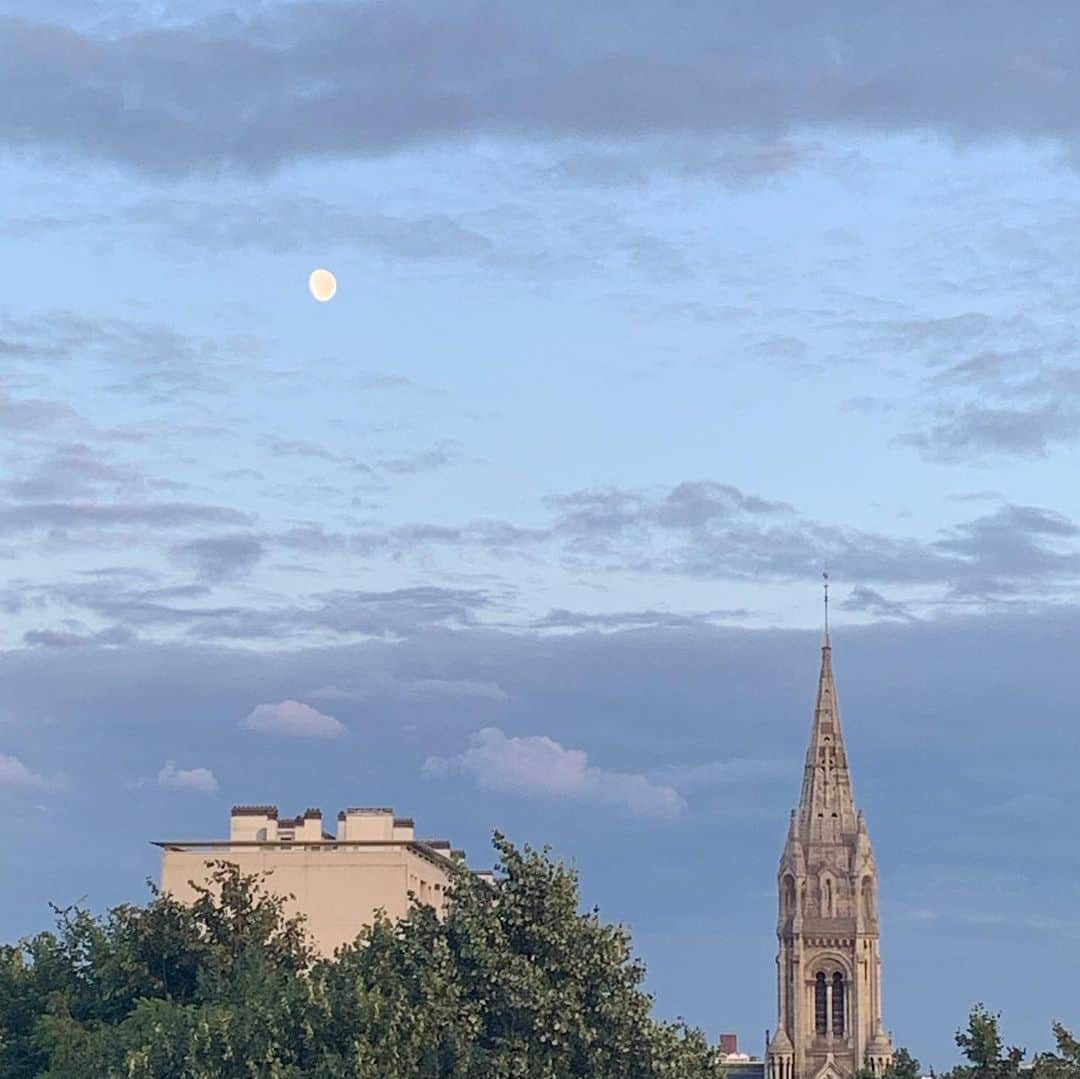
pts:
pixel 838 1004
pixel 821 1004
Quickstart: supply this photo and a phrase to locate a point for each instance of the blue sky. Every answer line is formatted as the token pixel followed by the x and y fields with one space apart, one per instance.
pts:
pixel 647 313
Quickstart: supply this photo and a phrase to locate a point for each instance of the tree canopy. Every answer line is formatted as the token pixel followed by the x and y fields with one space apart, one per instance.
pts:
pixel 982 1045
pixel 514 983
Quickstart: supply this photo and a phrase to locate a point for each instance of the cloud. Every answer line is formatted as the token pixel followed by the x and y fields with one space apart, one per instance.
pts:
pixel 560 618
pixel 423 461
pixel 974 431
pixel 32 518
pixel 14 775
pixel 494 536
pixel 31 414
pixel 434 689
pixel 994 386
pixel 414 690
pixel 71 472
pixel 867 601
pixel 220 558
pixel 301 224
pixel 292 718
pixel 150 360
pixel 536 765
pixel 190 779
pixel 399 612
pixel 70 638
pixel 299 81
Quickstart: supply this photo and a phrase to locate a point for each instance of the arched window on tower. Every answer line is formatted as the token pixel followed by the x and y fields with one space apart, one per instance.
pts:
pixel 838 1004
pixel 826 898
pixel 821 1005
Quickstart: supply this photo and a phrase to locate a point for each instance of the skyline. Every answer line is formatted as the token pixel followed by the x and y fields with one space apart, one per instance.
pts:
pixel 645 316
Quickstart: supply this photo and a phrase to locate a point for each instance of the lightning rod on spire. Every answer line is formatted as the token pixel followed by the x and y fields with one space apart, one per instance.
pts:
pixel 825 577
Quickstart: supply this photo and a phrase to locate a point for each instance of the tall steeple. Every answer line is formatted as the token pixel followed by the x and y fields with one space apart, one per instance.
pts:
pixel 828 964
pixel 827 804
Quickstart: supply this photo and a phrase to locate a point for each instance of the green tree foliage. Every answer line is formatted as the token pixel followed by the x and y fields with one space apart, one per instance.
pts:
pixel 904 1066
pixel 515 983
pixel 982 1045
pixel 1065 1063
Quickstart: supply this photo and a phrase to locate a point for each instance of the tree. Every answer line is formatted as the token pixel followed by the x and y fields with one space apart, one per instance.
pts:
pixel 982 1045
pixel 1065 1063
pixel 514 983
pixel 903 1066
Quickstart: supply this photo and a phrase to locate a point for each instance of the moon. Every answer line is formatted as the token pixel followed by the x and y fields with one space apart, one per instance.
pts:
pixel 323 285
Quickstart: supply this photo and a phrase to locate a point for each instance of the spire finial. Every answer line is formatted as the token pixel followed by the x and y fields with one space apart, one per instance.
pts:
pixel 825 577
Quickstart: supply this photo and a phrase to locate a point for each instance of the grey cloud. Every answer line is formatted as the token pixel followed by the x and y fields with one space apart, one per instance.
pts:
pixel 220 558
pixel 303 224
pixel 148 359
pixel 690 504
pixel 311 537
pixel 714 532
pixel 975 431
pixel 24 228
pixel 30 414
pixel 560 618
pixel 414 690
pixel 1013 546
pixel 494 536
pixel 72 471
pixel 306 80
pixel 75 515
pixel 422 461
pixel 992 385
pixel 435 689
pixel 68 638
pixel 738 161
pixel 867 601
pixel 337 614
pixel 291 447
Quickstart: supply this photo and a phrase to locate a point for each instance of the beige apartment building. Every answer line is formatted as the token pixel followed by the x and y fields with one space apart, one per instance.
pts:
pixel 372 862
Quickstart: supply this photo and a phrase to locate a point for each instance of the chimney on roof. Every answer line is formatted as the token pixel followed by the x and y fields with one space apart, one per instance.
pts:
pixel 729 1043
pixel 248 824
pixel 310 827
pixel 364 824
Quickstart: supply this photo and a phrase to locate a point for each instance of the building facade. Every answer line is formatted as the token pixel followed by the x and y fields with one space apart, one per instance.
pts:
pixel 373 862
pixel 829 1020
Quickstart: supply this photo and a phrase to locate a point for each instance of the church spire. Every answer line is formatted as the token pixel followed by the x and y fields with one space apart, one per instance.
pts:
pixel 827 805
pixel 828 964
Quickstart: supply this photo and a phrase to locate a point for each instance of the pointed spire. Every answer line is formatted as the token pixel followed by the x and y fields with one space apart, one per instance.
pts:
pixel 827 805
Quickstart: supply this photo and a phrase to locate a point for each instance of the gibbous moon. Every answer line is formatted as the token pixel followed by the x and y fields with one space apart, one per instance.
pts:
pixel 323 285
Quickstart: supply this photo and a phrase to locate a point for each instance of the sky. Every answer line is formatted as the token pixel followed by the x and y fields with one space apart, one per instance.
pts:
pixel 647 314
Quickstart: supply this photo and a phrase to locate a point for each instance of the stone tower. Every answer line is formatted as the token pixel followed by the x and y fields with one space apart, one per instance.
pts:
pixel 828 964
